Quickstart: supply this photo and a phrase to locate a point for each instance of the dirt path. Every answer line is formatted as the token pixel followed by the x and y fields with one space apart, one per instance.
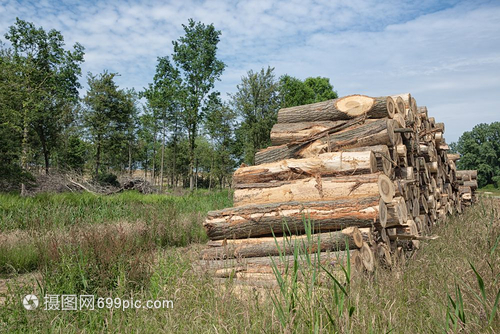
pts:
pixel 18 281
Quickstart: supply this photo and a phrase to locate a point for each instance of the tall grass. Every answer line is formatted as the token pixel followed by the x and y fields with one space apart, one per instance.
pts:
pixel 51 211
pixel 450 285
pixel 30 225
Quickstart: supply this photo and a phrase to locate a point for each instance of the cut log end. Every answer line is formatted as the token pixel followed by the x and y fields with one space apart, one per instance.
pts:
pixel 355 234
pixel 391 107
pixel 355 105
pixel 367 258
pixel 386 188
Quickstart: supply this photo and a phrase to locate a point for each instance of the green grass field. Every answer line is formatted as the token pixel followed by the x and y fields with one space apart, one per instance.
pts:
pixel 143 247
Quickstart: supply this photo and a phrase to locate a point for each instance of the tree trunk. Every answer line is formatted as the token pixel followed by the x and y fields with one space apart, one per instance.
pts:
pixel 153 172
pixel 174 160
pixel 284 133
pixel 258 247
pixel 45 156
pixel 24 156
pixel 98 157
pixel 162 157
pixel 382 155
pixel 326 164
pixel 343 108
pixel 257 220
pixel 309 189
pixel 130 158
pixel 372 132
pixel 210 174
pixel 192 145
pixel 196 173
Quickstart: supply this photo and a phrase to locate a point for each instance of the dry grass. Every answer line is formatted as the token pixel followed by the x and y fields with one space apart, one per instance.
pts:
pixel 416 298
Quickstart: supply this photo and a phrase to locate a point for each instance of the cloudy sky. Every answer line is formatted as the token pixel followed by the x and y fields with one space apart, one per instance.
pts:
pixel 446 53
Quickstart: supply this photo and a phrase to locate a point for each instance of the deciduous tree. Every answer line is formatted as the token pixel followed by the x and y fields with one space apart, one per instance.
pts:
pixel 195 54
pixel 480 149
pixel 256 102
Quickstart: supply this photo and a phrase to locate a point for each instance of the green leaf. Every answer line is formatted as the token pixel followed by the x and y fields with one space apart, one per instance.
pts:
pixel 480 282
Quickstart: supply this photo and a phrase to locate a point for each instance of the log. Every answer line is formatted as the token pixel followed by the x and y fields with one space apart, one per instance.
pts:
pixel 261 220
pixel 315 189
pixel 386 188
pixel 464 190
pixel 406 97
pixel 470 174
pixel 400 104
pixel 246 264
pixel 382 155
pixel 390 214
pixel 326 164
pixel 370 133
pixel 367 258
pixel 343 108
pixel 283 133
pixel 259 247
pixel 472 184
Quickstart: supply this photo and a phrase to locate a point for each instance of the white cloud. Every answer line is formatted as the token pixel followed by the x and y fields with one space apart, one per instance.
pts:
pixel 446 53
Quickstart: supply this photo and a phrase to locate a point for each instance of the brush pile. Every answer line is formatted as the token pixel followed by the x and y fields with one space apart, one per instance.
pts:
pixel 370 174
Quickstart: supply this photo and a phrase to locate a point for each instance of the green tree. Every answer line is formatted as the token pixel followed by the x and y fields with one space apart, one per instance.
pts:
pixel 256 102
pixel 165 96
pixel 195 54
pixel 75 154
pixel 321 88
pixel 10 121
pixel 294 92
pixel 107 115
pixel 480 149
pixel 46 84
pixel 220 127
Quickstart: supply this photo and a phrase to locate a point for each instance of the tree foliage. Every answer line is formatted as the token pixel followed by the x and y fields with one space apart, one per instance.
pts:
pixel 185 134
pixel 109 116
pixel 45 86
pixel 195 54
pixel 220 123
pixel 256 102
pixel 480 149
pixel 294 92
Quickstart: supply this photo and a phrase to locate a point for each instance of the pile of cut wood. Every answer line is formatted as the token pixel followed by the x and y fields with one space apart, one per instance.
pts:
pixel 373 171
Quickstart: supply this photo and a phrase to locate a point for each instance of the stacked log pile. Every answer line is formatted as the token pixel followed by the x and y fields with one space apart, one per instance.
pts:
pixel 373 171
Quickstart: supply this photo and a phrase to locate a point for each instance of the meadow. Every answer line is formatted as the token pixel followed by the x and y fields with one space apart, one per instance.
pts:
pixel 143 247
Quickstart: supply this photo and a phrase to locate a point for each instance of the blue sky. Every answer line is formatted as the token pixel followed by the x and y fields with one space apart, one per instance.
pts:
pixel 445 53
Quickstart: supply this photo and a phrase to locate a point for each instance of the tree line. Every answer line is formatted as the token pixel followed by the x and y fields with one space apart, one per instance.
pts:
pixel 177 131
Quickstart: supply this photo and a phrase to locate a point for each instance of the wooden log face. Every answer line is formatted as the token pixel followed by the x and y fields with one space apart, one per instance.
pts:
pixel 255 220
pixel 326 164
pixel 369 133
pixel 283 133
pixel 310 189
pixel 344 108
pixel 258 247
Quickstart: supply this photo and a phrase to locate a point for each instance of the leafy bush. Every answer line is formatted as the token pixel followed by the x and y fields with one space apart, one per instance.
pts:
pixel 108 179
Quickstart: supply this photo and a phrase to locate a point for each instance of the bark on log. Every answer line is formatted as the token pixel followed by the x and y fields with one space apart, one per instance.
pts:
pixel 326 164
pixel 344 108
pixel 315 189
pixel 261 220
pixel 258 247
pixel 472 184
pixel 243 264
pixel 284 133
pixel 382 154
pixel 472 174
pixel 372 132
